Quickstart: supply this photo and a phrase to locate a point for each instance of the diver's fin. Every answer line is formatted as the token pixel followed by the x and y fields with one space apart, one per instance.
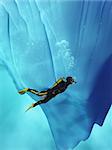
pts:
pixel 31 106
pixel 23 91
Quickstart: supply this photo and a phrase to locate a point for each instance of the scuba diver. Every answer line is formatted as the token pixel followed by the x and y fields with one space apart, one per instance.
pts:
pixel 59 87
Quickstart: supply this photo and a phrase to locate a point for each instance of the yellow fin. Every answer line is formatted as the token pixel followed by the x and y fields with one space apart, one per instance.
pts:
pixel 23 91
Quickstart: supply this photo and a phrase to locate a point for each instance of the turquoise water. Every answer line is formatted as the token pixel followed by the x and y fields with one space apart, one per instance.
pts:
pixel 29 131
pixel 41 42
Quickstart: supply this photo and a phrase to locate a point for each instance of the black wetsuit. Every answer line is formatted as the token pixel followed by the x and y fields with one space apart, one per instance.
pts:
pixel 52 92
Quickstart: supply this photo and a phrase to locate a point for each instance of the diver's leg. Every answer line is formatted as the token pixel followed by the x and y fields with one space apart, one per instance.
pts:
pixel 42 93
pixel 38 103
pixel 33 91
pixel 28 90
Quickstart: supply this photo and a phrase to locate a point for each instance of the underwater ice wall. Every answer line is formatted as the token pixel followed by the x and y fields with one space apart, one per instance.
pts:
pixel 43 41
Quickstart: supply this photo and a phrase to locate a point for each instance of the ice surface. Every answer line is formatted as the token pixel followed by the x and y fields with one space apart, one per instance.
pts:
pixel 36 38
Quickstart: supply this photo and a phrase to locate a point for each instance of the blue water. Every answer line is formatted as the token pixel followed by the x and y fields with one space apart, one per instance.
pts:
pixel 43 41
pixel 28 131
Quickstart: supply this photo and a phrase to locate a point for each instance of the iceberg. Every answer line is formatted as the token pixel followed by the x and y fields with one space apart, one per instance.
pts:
pixel 41 41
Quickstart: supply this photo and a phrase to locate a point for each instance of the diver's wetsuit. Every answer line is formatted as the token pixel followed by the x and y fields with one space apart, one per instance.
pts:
pixel 59 87
pixel 51 92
